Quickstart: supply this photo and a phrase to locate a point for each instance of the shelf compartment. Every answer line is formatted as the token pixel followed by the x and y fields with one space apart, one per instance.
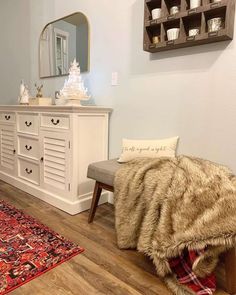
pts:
pixel 170 25
pixel 187 5
pixel 153 32
pixel 206 5
pixel 152 4
pixel 217 12
pixel 192 22
pixel 167 4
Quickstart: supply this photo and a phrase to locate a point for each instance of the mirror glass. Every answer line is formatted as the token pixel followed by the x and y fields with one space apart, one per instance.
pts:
pixel 61 42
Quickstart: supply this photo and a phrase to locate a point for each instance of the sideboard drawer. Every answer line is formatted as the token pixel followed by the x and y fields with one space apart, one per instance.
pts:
pixel 55 121
pixel 28 123
pixel 7 117
pixel 28 147
pixel 29 171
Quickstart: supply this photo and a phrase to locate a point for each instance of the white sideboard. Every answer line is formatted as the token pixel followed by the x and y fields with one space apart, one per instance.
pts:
pixel 45 151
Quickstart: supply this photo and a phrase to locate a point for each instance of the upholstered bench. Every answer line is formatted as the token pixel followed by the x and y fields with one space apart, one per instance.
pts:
pixel 103 173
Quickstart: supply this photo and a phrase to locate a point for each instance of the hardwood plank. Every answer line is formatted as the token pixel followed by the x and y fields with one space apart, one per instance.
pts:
pixel 102 268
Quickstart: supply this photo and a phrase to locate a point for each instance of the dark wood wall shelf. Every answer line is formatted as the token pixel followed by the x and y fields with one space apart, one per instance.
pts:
pixel 185 20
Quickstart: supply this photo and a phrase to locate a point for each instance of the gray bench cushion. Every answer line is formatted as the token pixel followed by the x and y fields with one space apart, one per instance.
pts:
pixel 103 171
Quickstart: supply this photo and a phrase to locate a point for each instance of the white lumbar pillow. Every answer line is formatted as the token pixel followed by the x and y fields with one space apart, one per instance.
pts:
pixel 132 149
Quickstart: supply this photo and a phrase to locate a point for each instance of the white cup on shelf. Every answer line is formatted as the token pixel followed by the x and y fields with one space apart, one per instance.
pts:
pixel 156 13
pixel 173 34
pixel 195 3
pixel 193 32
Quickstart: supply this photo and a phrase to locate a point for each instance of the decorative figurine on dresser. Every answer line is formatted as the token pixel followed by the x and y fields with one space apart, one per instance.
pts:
pixel 45 151
pixel 39 99
pixel 39 90
pixel 73 90
pixel 24 94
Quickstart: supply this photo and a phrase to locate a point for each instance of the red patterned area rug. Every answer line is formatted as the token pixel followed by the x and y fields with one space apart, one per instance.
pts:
pixel 28 248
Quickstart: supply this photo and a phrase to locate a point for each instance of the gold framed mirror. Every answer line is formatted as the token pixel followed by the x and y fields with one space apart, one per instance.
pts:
pixel 62 41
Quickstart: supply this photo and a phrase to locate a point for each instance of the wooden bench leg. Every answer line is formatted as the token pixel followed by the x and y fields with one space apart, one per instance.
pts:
pixel 230 271
pixel 96 196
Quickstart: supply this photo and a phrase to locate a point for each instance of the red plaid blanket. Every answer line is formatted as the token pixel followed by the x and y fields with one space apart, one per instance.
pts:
pixel 182 267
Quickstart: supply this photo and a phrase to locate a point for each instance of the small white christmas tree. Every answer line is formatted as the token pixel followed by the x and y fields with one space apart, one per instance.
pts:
pixel 73 89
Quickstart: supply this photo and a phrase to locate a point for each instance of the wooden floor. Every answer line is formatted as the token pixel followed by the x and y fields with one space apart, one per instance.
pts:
pixel 101 269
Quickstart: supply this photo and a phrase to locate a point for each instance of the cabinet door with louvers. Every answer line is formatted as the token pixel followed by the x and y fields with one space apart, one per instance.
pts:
pixel 7 149
pixel 55 162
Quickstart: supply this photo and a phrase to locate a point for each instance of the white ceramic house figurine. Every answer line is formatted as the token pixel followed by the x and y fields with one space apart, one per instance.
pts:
pixel 24 93
pixel 74 91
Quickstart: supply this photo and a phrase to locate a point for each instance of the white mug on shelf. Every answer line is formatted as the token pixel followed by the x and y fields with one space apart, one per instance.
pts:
pixel 173 34
pixel 156 13
pixel 195 3
pixel 193 32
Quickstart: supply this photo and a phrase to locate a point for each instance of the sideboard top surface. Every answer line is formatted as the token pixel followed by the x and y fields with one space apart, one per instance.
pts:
pixel 56 108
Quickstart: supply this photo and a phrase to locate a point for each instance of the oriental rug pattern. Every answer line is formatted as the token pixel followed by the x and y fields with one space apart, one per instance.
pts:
pixel 28 248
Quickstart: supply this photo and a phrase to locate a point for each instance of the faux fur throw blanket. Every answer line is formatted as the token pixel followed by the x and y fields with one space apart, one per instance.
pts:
pixel 167 205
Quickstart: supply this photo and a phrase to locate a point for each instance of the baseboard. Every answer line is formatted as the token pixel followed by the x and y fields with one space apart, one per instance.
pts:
pixel 83 203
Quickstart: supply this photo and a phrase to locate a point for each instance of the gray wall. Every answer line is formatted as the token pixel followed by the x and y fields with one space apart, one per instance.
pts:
pixel 187 92
pixel 15 53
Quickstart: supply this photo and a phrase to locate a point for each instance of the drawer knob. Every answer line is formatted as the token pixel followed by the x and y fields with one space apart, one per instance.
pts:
pixel 28 147
pixel 41 159
pixel 7 117
pixel 28 171
pixel 14 151
pixel 28 124
pixel 55 122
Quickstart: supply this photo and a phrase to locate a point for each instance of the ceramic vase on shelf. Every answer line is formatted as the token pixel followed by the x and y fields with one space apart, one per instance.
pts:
pixel 214 24
pixel 156 13
pixel 174 10
pixel 195 3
